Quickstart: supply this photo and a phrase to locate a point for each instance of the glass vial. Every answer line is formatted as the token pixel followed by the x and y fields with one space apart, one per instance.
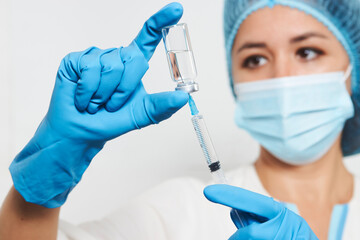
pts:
pixel 180 57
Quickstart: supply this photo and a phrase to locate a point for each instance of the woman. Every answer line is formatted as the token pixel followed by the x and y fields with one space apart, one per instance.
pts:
pixel 289 65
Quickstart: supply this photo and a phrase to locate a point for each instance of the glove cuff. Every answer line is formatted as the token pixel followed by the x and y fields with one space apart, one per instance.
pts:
pixel 46 176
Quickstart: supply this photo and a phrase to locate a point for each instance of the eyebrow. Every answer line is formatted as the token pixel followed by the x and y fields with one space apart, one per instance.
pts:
pixel 300 38
pixel 251 45
pixel 307 36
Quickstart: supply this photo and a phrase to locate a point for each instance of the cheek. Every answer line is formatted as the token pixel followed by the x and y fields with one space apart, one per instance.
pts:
pixel 239 75
pixel 235 73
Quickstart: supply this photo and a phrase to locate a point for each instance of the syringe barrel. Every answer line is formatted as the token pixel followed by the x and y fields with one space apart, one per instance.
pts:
pixel 210 155
pixel 205 142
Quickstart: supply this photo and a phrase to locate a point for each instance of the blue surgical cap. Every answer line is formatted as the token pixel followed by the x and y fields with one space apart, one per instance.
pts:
pixel 341 17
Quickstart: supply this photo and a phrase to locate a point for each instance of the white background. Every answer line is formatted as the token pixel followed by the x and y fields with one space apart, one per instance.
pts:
pixel 36 34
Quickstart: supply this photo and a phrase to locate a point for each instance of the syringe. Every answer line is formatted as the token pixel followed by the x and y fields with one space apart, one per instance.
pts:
pixel 183 71
pixel 206 143
pixel 209 150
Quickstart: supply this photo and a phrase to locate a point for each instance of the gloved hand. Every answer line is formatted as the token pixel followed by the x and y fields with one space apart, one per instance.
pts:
pixel 263 217
pixel 98 95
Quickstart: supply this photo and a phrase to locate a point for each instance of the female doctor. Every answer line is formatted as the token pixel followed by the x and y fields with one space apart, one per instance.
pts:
pixel 294 69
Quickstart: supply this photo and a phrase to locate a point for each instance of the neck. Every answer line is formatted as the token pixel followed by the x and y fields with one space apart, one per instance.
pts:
pixel 323 181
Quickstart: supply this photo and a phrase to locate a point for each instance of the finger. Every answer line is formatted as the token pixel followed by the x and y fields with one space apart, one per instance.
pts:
pixel 68 69
pixel 238 218
pixel 250 232
pixel 111 73
pixel 135 66
pixel 242 219
pixel 267 230
pixel 244 233
pixel 158 107
pixel 150 35
pixel 90 69
pixel 243 200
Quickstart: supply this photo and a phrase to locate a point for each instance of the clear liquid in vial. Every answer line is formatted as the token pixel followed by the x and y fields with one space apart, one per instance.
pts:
pixel 182 66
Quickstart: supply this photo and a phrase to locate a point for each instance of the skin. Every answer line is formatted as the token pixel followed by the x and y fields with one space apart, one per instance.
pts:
pixel 22 220
pixel 277 42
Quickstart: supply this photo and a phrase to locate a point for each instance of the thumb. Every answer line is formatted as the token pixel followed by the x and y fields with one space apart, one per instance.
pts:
pixel 243 200
pixel 158 107
pixel 150 35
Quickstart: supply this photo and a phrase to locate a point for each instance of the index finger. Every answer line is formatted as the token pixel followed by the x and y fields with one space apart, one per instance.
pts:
pixel 150 35
pixel 243 200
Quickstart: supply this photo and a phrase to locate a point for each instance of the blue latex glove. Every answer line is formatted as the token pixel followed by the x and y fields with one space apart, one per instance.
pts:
pixel 98 95
pixel 263 217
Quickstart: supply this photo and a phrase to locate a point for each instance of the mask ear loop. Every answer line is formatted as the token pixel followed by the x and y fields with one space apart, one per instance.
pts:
pixel 347 73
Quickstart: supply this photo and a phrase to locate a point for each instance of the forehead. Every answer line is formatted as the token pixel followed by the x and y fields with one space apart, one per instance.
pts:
pixel 277 23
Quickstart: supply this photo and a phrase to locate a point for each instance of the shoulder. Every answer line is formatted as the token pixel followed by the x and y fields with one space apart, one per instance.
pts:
pixel 176 186
pixel 241 173
pixel 158 212
pixel 246 177
pixel 176 207
pixel 177 192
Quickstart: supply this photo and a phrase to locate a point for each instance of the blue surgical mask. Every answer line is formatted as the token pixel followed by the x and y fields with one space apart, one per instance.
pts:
pixel 296 118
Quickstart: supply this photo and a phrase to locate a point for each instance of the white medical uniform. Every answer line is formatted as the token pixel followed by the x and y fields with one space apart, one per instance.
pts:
pixel 178 210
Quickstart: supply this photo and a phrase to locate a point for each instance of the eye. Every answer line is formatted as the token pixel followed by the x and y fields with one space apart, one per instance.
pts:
pixel 254 61
pixel 309 53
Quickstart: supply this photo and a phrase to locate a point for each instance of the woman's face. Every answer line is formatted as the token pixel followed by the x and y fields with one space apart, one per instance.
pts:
pixel 281 41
